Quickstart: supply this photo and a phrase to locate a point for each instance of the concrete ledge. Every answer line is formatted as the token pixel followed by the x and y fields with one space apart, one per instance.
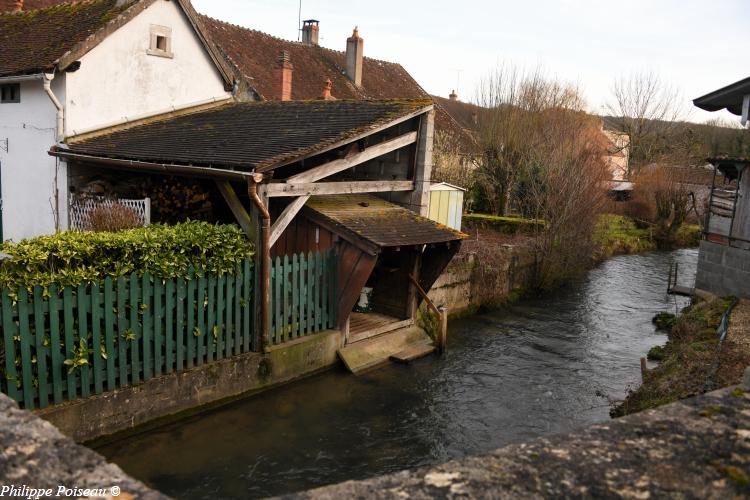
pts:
pixel 697 448
pixel 35 454
pixel 175 393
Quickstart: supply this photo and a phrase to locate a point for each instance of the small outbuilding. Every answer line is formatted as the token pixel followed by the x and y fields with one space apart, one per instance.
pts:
pixel 447 204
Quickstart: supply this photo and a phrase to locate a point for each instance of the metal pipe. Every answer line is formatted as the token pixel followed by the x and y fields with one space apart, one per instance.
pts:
pixel 163 168
pixel 265 256
pixel 58 106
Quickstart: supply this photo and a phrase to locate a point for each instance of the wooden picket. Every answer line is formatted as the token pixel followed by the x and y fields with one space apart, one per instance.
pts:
pixel 66 343
pixel 302 289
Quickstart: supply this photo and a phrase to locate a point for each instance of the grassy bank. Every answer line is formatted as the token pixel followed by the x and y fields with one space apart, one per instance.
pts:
pixel 693 361
pixel 620 235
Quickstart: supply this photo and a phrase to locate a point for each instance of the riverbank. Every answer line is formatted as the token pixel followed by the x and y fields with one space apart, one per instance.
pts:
pixel 620 235
pixel 694 360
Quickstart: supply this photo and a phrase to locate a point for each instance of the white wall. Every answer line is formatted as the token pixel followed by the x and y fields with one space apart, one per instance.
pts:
pixel 28 172
pixel 118 78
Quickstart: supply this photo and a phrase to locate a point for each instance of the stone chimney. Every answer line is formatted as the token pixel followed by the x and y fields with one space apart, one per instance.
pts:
pixel 283 77
pixel 453 96
pixel 18 7
pixel 310 31
pixel 354 56
pixel 327 91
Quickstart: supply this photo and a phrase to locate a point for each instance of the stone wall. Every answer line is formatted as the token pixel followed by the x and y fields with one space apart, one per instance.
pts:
pixel 723 270
pixel 696 448
pixel 34 454
pixel 190 390
pixel 468 283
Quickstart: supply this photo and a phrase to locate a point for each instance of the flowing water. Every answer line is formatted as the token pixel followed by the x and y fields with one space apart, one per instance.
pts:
pixel 543 366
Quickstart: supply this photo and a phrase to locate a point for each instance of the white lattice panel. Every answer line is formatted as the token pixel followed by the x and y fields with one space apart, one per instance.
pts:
pixel 82 207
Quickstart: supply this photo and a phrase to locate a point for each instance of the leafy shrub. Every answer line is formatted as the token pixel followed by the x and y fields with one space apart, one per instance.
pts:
pixel 664 321
pixel 505 225
pixel 656 353
pixel 116 217
pixel 71 258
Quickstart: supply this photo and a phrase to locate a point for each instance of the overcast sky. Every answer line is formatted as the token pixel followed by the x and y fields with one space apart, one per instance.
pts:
pixel 698 45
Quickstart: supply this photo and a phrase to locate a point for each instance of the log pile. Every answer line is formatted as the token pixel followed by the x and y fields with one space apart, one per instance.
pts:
pixel 175 199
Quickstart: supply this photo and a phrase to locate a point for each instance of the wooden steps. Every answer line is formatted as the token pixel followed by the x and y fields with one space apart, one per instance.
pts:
pixel 360 357
pixel 682 290
pixel 413 352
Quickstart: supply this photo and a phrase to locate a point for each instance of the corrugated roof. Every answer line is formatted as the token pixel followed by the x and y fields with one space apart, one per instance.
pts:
pixel 251 135
pixel 380 222
pixel 33 41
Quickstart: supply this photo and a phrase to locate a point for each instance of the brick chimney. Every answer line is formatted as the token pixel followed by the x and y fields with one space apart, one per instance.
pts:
pixel 354 55
pixel 327 91
pixel 310 31
pixel 18 7
pixel 453 96
pixel 282 89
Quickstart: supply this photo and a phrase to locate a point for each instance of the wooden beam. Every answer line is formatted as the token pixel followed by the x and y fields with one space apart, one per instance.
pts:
pixel 238 209
pixel 321 188
pixel 286 217
pixel 336 166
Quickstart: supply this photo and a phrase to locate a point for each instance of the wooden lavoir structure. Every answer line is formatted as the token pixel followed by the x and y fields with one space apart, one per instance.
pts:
pixel 348 177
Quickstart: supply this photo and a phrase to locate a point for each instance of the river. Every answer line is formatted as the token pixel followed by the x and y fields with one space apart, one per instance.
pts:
pixel 542 366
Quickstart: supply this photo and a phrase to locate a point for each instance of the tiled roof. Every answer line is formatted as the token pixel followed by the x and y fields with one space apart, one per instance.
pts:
pixel 458 119
pixel 254 56
pixel 380 222
pixel 9 5
pixel 250 135
pixel 33 41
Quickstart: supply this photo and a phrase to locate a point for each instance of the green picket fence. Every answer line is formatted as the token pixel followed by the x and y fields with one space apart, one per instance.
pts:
pixel 80 341
pixel 303 295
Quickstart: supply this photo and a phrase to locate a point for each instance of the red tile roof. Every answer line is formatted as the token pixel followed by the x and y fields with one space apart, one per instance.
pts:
pixel 9 5
pixel 254 56
pixel 33 41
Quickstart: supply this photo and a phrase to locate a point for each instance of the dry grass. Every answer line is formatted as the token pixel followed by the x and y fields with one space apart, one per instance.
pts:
pixel 113 218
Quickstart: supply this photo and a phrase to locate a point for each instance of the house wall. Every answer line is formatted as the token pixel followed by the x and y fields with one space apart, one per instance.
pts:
pixel 31 178
pixel 119 79
pixel 723 270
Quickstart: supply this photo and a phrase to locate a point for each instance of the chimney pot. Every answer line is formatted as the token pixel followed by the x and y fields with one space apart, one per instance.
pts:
pixel 453 96
pixel 354 57
pixel 18 7
pixel 327 91
pixel 283 77
pixel 310 31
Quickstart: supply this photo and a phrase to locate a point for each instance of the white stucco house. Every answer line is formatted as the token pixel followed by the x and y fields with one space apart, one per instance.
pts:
pixel 73 68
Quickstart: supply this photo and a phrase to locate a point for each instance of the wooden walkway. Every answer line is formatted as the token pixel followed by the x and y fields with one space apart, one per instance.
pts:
pixel 681 290
pixel 365 325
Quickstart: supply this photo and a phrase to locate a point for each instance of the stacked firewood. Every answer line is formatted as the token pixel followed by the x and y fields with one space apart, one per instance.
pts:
pixel 176 199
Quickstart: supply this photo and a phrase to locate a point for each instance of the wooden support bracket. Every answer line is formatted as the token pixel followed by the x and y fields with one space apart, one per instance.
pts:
pixel 238 209
pixel 285 218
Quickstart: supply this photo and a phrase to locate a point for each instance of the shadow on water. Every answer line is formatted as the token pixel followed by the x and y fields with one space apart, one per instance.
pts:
pixel 543 366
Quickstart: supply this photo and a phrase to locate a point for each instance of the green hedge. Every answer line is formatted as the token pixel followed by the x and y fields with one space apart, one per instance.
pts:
pixel 506 225
pixel 72 258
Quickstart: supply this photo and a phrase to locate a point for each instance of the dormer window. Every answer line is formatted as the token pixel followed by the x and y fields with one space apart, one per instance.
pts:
pixel 10 92
pixel 161 41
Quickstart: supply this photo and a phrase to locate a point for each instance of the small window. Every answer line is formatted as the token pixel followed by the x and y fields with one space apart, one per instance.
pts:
pixel 10 92
pixel 161 41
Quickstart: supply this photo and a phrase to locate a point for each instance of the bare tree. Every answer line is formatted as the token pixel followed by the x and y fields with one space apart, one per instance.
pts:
pixel 645 108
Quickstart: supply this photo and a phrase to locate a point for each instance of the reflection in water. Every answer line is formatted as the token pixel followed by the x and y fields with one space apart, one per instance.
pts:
pixel 543 366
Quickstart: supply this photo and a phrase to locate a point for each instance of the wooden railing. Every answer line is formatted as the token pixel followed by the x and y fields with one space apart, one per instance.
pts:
pixel 303 295
pixel 61 344
pixel 441 336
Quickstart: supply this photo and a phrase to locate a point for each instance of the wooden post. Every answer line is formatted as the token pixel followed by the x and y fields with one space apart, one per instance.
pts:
pixel 644 368
pixel 442 333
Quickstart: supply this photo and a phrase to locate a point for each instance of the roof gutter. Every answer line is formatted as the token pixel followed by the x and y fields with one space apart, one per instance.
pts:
pixel 161 168
pixel 21 78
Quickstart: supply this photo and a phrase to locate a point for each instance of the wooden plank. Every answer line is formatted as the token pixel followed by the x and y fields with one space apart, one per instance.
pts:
pixel 312 309
pixel 191 310
pixel 285 296
pixel 180 324
pixel 55 348
pixel 158 318
pixel 277 336
pixel 25 333
pixel 318 292
pixel 109 332
pixel 169 326
pixel 9 330
pixel 238 312
pixel 122 331
pixel 365 332
pixel 96 338
pixel 295 312
pixel 336 166
pixel 247 309
pixel 228 328
pixel 148 325
pixel 211 318
pixel 135 361
pixel 286 217
pixel 238 209
pixel 221 283
pixel 202 332
pixel 41 351
pixel 413 352
pixel 304 309
pixel 72 384
pixel 280 189
pixel 82 299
